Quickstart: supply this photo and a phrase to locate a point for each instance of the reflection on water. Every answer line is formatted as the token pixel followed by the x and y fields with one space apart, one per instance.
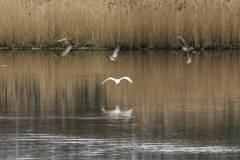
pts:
pixel 117 113
pixel 54 107
pixel 188 58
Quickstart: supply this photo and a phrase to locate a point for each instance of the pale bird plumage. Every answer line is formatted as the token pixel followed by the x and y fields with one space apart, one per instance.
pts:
pixel 188 50
pixel 66 51
pixel 118 80
pixel 188 58
pixel 117 112
pixel 185 47
pixel 114 57
pixel 116 51
pixel 69 43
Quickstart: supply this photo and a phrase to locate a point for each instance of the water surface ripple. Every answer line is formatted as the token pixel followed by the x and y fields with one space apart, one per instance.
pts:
pixel 54 107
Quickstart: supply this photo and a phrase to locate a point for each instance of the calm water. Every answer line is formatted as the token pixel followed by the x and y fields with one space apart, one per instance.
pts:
pixel 54 107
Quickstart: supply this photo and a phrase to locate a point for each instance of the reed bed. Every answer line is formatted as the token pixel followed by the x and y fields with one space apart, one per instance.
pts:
pixel 130 23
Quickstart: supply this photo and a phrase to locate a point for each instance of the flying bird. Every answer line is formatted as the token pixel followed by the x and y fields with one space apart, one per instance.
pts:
pixel 185 47
pixel 115 55
pixel 188 50
pixel 67 42
pixel 118 80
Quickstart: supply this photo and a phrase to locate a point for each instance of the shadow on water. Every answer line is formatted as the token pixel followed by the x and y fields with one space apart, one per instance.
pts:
pixel 54 107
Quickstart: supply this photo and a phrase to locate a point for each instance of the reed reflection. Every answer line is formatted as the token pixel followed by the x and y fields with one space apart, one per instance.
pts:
pixel 167 95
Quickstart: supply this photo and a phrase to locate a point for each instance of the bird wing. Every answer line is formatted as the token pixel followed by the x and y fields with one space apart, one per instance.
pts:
pixel 115 53
pixel 62 40
pixel 182 41
pixel 66 51
pixel 127 78
pixel 110 79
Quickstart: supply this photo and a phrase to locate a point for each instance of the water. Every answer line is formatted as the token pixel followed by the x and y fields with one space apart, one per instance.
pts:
pixel 54 107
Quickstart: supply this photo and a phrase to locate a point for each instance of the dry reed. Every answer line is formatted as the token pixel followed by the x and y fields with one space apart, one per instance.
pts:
pixel 105 23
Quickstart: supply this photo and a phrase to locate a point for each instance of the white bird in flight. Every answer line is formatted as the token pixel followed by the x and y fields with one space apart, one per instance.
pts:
pixel 69 43
pixel 185 47
pixel 118 80
pixel 188 50
pixel 115 55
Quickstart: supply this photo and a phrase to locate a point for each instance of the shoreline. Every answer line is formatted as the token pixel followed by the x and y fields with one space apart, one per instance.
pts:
pixel 122 48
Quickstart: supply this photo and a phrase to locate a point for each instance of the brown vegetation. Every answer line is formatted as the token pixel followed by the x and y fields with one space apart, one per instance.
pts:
pixel 131 23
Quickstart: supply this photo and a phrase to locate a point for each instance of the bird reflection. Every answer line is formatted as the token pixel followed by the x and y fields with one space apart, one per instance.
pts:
pixel 188 58
pixel 117 113
pixel 66 51
pixel 31 130
pixel 67 42
pixel 188 50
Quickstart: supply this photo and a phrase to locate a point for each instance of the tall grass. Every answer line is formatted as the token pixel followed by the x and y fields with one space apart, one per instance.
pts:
pixel 105 23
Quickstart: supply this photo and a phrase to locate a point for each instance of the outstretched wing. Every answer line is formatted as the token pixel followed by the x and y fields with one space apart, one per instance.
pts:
pixel 110 79
pixel 67 41
pixel 115 53
pixel 182 41
pixel 127 78
pixel 62 40
pixel 66 51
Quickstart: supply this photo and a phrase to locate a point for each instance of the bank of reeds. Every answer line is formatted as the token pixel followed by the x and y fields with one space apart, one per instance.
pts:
pixel 131 23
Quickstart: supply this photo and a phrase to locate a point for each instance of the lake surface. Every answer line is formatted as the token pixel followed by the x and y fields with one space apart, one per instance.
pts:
pixel 54 107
